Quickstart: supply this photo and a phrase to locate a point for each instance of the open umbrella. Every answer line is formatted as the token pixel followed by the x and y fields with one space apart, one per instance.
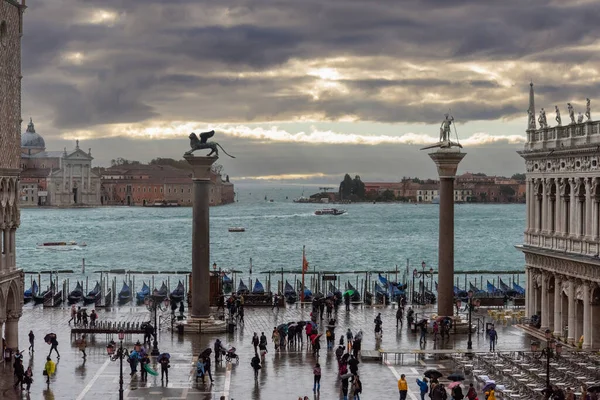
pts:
pixel 456 377
pixel 594 389
pixel 433 374
pixel 422 322
pixel 165 356
pixel 349 292
pixel 453 385
pixel 489 385
pixel 314 338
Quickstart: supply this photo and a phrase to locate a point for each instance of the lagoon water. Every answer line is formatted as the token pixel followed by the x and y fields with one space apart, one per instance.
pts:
pixel 368 237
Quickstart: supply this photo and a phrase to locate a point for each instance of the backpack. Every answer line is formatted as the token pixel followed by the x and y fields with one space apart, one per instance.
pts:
pixel 328 334
pixel 471 394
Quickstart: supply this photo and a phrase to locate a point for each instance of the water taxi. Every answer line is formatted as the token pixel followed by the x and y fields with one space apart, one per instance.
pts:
pixel 330 211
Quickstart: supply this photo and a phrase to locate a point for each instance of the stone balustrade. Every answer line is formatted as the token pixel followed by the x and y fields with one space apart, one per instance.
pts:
pixel 563 136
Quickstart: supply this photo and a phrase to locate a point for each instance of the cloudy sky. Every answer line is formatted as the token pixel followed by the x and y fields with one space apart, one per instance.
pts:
pixel 305 90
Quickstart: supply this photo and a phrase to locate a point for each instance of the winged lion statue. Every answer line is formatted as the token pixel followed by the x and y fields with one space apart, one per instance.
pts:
pixel 203 143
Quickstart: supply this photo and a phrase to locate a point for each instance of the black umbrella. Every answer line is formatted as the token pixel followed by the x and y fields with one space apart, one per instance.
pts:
pixel 594 389
pixel 456 377
pixel 422 322
pixel 433 374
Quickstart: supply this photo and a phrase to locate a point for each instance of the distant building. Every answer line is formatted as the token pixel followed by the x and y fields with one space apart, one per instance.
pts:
pixel 143 184
pixel 56 178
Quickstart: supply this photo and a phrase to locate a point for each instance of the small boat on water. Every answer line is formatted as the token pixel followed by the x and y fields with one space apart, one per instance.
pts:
pixel 242 288
pixel 381 294
pixel 237 229
pixel 125 294
pixel 177 294
pixel 330 211
pixel 61 245
pixel 76 295
pixel 142 294
pixel 94 295
pixel 47 294
pixel 227 284
pixel 258 288
pixel 29 293
pixel 162 293
pixel 290 294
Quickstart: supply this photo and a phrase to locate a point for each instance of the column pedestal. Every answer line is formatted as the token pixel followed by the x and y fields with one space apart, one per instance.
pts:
pixel 12 331
pixel 446 160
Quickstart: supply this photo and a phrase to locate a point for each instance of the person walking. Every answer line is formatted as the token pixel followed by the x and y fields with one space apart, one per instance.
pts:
pixel 423 388
pixel 402 387
pixel 145 360
pixel 19 372
pixel 28 378
pixel 275 337
pixel 399 315
pixel 164 369
pixel 241 314
pixel 255 363
pixel 457 393
pixel 439 393
pixel 471 393
pixel 54 346
pixel 357 387
pixel 73 315
pixel 255 342
pixel 317 378
pixel 93 318
pixel 31 339
pixel 345 386
pixel 78 314
pixel 82 344
pixel 347 301
pixel 349 337
pixel 49 369
pixel 493 335
pixel 263 341
pixel 84 317
pixel 207 369
pixel 423 338
pixel 218 348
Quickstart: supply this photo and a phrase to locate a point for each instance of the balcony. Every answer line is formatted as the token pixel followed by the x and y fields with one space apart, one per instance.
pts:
pixel 563 136
pixel 573 244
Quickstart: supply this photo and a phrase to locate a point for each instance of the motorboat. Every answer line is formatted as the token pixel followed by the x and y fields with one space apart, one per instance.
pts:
pixel 76 295
pixel 242 288
pixel 125 294
pixel 330 211
pixel 162 293
pixel 142 294
pixel 237 229
pixel 290 294
pixel 29 293
pixel 94 295
pixel 258 288
pixel 177 294
pixel 61 245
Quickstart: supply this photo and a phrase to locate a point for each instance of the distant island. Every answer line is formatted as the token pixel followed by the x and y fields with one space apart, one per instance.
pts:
pixel 468 188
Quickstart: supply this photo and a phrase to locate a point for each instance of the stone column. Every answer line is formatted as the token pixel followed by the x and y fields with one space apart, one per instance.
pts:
pixel 528 313
pixel 7 248
pixel 557 209
pixel 201 236
pixel 557 307
pixel 573 211
pixel 89 178
pixel 545 197
pixel 545 309
pixel 588 208
pixel 13 248
pixel 446 160
pixel 572 315
pixel 12 330
pixel 2 258
pixel 587 317
pixel 528 192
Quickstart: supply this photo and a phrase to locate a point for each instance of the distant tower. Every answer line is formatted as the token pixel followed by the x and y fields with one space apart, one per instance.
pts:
pixel 531 110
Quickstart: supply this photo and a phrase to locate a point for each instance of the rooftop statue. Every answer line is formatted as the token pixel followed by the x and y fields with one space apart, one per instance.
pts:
pixel 542 119
pixel 558 120
pixel 202 143
pixel 588 111
pixel 571 113
pixel 580 118
pixel 531 117
pixel 445 133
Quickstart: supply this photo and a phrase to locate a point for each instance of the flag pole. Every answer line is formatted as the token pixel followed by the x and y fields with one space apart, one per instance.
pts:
pixel 302 288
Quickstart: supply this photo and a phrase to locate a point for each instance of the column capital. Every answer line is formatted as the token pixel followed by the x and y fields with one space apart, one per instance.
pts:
pixel 13 316
pixel 201 166
pixel 446 160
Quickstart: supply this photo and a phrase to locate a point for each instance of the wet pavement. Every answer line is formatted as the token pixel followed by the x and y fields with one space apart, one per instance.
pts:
pixel 285 375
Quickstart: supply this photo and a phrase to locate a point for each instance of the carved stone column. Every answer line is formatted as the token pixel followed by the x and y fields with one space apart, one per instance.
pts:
pixel 557 306
pixel 572 315
pixel 12 330
pixel 545 309
pixel 544 204
pixel 595 218
pixel 587 317
pixel 558 208
pixel 528 191
pixel 573 209
pixel 528 292
pixel 2 257
pixel 7 247
pixel 588 208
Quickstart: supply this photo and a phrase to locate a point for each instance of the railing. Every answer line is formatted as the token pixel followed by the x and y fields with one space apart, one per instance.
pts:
pixel 579 133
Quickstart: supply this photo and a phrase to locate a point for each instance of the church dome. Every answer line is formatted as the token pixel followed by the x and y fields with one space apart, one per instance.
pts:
pixel 31 139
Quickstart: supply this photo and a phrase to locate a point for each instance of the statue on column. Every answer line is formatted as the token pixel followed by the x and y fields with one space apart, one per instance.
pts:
pixel 571 113
pixel 202 143
pixel 542 119
pixel 588 111
pixel 558 120
pixel 445 132
pixel 531 117
pixel 580 118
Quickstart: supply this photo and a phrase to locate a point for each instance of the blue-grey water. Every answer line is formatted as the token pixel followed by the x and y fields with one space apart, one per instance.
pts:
pixel 369 237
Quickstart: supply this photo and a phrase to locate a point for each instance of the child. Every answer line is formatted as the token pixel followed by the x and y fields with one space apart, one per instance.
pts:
pixel 317 379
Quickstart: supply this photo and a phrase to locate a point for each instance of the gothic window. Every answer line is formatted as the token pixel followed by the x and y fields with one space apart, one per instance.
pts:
pixel 3 33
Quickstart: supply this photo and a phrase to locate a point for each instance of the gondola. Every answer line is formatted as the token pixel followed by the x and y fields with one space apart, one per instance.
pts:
pixel 368 297
pixel 493 290
pixel 381 294
pixel 177 294
pixel 227 284
pixel 289 293
pixel 142 294
pixel 94 295
pixel 47 294
pixel 520 291
pixel 258 288
pixel 461 294
pixel 308 295
pixel 507 289
pixel 162 293
pixel 242 288
pixel 76 295
pixel 125 294
pixel 356 296
pixel 29 293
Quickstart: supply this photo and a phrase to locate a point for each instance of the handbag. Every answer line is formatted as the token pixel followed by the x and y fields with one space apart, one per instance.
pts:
pixel 45 373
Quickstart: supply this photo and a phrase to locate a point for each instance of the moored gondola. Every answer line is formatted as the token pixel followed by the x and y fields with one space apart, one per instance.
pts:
pixel 258 288
pixel 125 294
pixel 242 288
pixel 76 295
pixel 227 284
pixel 44 296
pixel 94 295
pixel 29 293
pixel 162 293
pixel 381 295
pixel 177 294
pixel 142 294
pixel 289 293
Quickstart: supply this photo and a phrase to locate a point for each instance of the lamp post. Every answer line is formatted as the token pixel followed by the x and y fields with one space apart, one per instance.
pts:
pixel 552 349
pixel 121 353
pixel 423 287
pixel 469 341
pixel 153 305
pixel 412 300
pixel 421 275
pixel 214 266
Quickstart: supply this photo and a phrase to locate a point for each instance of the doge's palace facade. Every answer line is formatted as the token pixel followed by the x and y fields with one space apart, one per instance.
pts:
pixel 562 243
pixel 11 278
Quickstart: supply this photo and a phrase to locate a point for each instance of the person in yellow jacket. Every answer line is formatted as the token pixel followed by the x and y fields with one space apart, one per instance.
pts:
pixel 402 387
pixel 49 369
pixel 490 394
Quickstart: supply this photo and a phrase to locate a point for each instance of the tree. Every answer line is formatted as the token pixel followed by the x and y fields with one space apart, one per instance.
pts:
pixel 122 162
pixel 507 190
pixel 483 196
pixel 358 187
pixel 518 177
pixel 388 195
pixel 346 187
